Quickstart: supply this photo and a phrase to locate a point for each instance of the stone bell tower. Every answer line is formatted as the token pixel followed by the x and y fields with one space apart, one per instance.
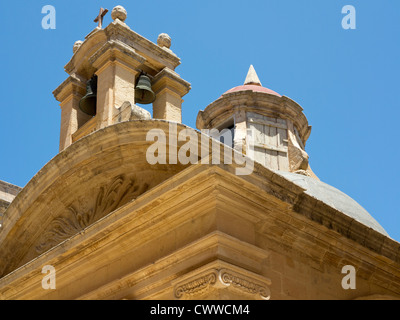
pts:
pixel 117 56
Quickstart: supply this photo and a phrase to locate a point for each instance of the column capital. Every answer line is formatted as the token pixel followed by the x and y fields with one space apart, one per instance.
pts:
pixel 73 85
pixel 168 78
pixel 169 88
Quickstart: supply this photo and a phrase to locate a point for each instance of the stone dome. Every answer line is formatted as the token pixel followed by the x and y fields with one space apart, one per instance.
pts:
pixel 253 83
pixel 253 88
pixel 334 198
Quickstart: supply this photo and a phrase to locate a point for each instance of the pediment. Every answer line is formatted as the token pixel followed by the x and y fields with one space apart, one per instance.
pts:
pixel 82 184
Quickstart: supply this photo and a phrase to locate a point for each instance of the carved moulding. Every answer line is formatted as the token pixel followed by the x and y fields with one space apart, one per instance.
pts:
pixel 82 213
pixel 220 275
pixel 198 285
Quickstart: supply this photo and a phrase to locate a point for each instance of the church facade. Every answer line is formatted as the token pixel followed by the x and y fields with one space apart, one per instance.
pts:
pixel 140 206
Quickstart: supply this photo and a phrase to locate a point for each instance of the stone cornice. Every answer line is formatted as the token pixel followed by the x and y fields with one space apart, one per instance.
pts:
pixel 220 275
pixel 118 30
pixel 113 50
pixel 73 85
pixel 333 219
pixel 259 102
pixel 9 188
pixel 155 57
pixel 168 78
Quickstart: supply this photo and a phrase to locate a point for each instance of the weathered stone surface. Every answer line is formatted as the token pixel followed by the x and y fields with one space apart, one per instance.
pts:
pixel 119 12
pixel 115 226
pixel 164 40
pixel 76 46
pixel 129 230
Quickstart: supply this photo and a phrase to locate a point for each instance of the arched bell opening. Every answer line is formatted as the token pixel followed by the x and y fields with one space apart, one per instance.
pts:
pixel 143 92
pixel 88 102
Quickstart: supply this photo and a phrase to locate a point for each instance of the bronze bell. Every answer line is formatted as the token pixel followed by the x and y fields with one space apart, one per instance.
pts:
pixel 88 101
pixel 143 92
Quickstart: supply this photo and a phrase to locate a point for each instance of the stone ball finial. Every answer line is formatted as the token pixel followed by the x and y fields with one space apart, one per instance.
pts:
pixel 119 12
pixel 76 46
pixel 164 40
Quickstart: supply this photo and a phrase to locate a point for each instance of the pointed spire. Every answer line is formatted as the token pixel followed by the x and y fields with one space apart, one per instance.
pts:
pixel 252 77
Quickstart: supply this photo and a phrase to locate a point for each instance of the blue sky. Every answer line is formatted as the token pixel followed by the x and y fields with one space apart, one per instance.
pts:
pixel 347 81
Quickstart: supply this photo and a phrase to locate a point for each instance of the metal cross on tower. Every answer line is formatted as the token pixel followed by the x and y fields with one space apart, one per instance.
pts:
pixel 100 17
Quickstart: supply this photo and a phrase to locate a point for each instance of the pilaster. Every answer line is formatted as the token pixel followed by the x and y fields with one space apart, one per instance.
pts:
pixel 169 88
pixel 69 94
